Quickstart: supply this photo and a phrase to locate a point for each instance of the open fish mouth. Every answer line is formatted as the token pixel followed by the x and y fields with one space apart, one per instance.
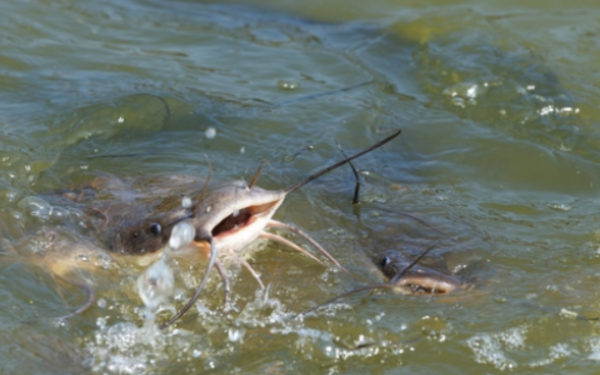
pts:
pixel 234 215
pixel 243 219
pixel 416 279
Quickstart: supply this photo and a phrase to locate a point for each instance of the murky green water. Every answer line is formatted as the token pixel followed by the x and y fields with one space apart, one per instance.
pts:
pixel 500 149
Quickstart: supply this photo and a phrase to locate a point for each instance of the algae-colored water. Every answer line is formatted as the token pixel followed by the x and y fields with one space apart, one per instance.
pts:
pixel 500 150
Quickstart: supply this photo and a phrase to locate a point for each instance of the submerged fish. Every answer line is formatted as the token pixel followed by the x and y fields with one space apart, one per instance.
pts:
pixel 416 279
pixel 407 277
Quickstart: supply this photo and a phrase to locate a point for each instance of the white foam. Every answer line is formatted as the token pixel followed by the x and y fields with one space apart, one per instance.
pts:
pixel 494 348
pixel 595 349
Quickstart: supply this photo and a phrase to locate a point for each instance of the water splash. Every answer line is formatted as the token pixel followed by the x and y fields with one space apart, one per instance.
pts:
pixel 156 285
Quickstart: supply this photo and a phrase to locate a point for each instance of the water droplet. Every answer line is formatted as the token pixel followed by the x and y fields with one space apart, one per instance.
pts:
pixel 560 207
pixel 186 202
pixel 288 85
pixel 208 209
pixel 210 133
pixel 101 303
pixel 82 258
pixel 235 335
pixel 183 233
pixel 59 213
pixel 11 195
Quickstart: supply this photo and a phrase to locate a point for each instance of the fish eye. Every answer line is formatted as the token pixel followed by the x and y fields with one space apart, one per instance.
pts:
pixel 385 261
pixel 155 229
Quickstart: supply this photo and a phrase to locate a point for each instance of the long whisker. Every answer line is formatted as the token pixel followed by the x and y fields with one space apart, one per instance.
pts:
pixel 256 174
pixel 392 284
pixel 349 293
pixel 239 258
pixel 88 289
pixel 355 200
pixel 252 272
pixel 414 262
pixel 277 224
pixel 211 262
pixel 225 279
pixel 420 221
pixel 320 95
pixel 204 189
pixel 104 216
pixel 341 162
pixel 289 243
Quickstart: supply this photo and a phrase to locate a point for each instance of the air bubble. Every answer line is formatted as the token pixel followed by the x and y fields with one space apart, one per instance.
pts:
pixel 36 207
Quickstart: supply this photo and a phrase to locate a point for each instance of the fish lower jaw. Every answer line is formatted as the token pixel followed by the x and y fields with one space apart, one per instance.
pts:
pixel 239 238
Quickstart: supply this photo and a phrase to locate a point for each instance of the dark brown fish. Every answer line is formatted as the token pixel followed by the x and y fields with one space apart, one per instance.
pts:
pixel 133 216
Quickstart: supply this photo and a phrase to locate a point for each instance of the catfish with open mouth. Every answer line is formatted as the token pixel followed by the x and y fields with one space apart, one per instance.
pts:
pixel 411 278
pixel 125 222
pixel 407 277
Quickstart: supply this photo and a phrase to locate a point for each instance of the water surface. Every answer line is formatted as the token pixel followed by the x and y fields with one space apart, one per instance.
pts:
pixel 500 149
